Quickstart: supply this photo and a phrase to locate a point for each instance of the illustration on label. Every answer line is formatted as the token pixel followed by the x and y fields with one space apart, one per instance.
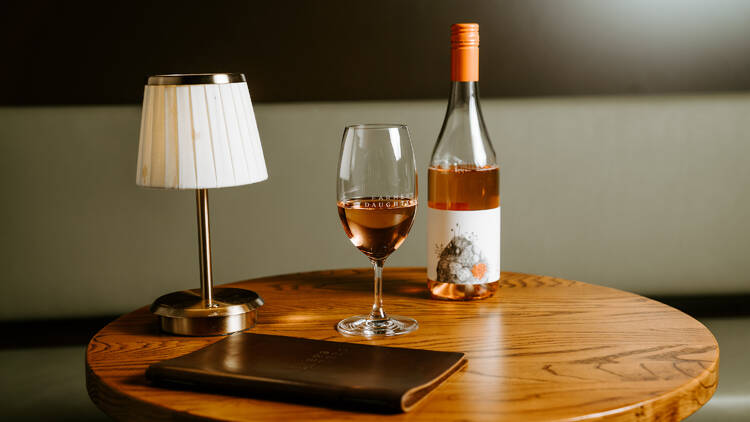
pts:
pixel 461 261
pixel 463 246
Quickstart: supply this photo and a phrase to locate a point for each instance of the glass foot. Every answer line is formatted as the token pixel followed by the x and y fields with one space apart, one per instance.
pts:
pixel 359 325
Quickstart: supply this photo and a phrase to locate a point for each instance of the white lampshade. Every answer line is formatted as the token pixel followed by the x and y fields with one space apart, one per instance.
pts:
pixel 198 131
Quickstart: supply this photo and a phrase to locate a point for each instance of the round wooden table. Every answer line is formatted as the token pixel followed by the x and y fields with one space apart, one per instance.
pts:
pixel 543 348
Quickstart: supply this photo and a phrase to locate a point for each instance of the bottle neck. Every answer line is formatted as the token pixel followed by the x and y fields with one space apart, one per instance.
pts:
pixel 463 139
pixel 464 95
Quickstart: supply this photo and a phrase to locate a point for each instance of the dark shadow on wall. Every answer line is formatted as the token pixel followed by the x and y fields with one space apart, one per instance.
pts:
pixel 71 53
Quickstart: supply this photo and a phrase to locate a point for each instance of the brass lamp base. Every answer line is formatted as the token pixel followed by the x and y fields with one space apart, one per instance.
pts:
pixel 186 312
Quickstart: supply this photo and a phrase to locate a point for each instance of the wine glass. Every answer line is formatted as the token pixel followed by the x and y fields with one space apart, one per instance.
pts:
pixel 377 201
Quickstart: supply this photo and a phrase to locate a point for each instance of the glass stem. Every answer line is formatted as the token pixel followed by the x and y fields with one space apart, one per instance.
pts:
pixel 378 313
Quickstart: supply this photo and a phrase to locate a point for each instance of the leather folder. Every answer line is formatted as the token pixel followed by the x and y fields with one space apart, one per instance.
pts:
pixel 363 377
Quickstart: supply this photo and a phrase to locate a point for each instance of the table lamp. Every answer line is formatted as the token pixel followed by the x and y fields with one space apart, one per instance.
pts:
pixel 198 131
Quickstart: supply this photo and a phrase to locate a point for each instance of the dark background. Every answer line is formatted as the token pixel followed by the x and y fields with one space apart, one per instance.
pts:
pixel 101 53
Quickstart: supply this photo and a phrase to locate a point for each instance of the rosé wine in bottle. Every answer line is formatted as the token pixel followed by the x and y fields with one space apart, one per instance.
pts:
pixel 463 216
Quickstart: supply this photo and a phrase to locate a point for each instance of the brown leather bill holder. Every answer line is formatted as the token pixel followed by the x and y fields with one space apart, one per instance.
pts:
pixel 325 373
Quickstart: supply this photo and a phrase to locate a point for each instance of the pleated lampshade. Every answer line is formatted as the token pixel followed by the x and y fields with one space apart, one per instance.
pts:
pixel 198 131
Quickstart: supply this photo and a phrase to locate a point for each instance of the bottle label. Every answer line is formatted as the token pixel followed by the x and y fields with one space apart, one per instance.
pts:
pixel 463 247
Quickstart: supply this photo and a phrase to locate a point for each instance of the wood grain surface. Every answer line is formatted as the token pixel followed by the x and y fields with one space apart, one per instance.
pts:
pixel 543 348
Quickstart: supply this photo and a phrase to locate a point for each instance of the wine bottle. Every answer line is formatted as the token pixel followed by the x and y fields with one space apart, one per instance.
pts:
pixel 463 216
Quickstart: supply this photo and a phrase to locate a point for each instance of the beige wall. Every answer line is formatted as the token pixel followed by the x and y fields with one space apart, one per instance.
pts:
pixel 650 194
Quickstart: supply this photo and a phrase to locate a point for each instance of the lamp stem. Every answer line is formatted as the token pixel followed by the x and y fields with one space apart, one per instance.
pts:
pixel 204 247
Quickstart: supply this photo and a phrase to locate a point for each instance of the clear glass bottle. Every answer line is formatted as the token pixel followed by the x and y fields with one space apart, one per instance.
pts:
pixel 463 217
